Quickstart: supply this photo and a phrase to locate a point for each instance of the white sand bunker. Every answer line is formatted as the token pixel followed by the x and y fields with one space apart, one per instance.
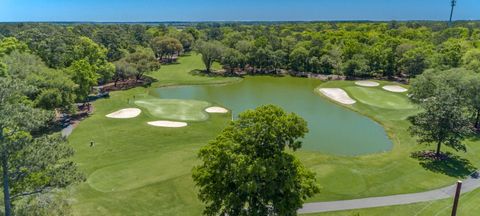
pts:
pixel 170 124
pixel 337 94
pixel 394 88
pixel 367 83
pixel 125 113
pixel 216 109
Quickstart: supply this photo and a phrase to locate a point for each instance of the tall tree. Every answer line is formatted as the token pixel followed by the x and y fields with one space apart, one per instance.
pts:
pixel 140 62
pixel 447 98
pixel 247 169
pixel 83 74
pixel 166 47
pixel 414 61
pixel 211 51
pixel 96 56
pixel 30 164
pixel 473 98
pixel 443 122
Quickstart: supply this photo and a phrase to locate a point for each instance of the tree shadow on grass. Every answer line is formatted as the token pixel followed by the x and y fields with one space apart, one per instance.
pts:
pixel 203 73
pixel 448 164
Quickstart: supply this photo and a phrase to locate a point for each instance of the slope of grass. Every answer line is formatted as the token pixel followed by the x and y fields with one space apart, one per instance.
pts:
pixel 136 169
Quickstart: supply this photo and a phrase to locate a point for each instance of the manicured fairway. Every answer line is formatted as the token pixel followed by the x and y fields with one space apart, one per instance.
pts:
pixel 138 169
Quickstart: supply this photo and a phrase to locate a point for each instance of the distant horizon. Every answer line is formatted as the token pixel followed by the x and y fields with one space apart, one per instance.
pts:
pixel 242 21
pixel 111 11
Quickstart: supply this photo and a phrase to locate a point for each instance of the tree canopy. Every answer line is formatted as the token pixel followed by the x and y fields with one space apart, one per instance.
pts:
pixel 247 169
pixel 31 163
pixel 450 107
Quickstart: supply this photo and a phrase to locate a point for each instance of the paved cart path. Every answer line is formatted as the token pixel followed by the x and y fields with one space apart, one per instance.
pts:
pixel 441 193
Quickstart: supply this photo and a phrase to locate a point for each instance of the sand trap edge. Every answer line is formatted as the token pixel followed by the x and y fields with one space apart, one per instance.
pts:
pixel 337 94
pixel 395 88
pixel 125 113
pixel 216 109
pixel 366 83
pixel 168 124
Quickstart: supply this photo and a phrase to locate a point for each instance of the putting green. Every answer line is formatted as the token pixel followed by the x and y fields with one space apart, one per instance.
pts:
pixel 173 109
pixel 379 98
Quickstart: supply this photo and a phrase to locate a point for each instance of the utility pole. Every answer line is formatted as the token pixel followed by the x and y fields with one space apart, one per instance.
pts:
pixel 457 197
pixel 454 3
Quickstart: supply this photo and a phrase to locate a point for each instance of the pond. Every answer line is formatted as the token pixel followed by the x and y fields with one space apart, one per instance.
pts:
pixel 333 129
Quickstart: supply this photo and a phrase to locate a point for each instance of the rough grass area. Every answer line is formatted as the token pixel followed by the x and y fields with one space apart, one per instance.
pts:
pixel 468 205
pixel 137 169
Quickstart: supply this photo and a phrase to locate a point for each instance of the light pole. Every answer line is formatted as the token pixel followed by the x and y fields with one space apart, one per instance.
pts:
pixel 454 3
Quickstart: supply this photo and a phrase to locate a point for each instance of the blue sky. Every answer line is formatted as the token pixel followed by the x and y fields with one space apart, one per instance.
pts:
pixel 233 10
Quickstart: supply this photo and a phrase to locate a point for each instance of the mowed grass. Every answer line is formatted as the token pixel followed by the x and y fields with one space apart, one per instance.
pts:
pixel 378 97
pixel 173 109
pixel 137 169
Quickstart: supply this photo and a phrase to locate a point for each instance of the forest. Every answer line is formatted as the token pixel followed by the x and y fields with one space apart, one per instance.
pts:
pixel 399 50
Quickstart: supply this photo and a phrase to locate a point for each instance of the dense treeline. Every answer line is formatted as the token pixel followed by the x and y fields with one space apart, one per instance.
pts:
pixel 90 54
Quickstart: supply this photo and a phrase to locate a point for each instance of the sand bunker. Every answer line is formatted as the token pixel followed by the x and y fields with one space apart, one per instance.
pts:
pixel 394 88
pixel 216 109
pixel 125 113
pixel 171 124
pixel 367 83
pixel 337 94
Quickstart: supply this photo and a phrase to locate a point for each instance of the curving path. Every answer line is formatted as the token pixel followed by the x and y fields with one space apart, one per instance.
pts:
pixel 469 184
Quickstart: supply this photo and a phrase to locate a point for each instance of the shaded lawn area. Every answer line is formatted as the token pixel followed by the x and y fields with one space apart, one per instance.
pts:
pixel 136 169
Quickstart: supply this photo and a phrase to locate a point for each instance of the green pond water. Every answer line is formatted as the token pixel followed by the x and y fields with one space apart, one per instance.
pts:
pixel 333 129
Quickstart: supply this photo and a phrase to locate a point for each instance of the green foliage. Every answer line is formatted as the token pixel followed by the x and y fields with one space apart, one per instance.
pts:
pixel 414 61
pixel 30 164
pixel 83 74
pixel 51 88
pixel 246 170
pixel 10 44
pixel 96 56
pixel 446 100
pixel 450 53
pixel 3 69
pixel 44 205
pixel 137 64
pixel 471 60
pixel 299 59
pixel 210 51
pixel 356 67
pixel 166 47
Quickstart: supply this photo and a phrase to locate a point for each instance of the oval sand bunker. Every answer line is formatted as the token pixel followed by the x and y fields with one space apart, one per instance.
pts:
pixel 216 109
pixel 170 124
pixel 394 88
pixel 367 83
pixel 125 113
pixel 337 94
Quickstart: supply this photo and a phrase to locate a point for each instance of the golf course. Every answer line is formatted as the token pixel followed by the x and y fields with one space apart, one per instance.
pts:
pixel 135 168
